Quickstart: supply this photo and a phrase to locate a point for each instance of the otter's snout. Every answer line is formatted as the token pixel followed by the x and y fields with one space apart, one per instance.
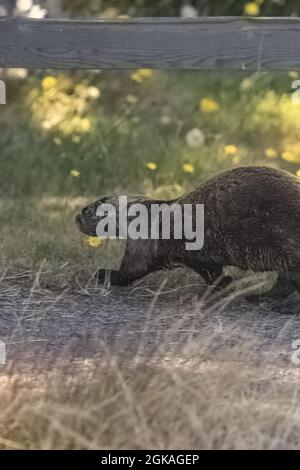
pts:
pixel 87 220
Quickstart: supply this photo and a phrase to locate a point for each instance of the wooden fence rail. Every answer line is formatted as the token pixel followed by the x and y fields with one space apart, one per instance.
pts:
pixel 211 43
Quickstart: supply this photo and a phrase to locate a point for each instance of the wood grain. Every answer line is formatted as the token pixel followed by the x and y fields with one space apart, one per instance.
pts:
pixel 211 43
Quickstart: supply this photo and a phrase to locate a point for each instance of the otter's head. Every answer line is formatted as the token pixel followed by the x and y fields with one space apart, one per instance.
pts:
pixel 87 220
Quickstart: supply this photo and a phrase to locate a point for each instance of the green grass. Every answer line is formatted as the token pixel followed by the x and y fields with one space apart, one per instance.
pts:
pixel 112 154
pixel 41 232
pixel 187 400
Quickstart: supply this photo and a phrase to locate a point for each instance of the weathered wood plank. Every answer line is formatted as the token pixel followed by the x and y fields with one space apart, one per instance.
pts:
pixel 203 43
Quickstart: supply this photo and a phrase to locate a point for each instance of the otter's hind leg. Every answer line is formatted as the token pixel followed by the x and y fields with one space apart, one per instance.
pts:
pixel 281 289
pixel 295 279
pixel 291 304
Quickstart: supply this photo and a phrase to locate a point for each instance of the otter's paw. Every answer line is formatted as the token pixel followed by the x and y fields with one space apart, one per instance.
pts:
pixel 288 305
pixel 107 276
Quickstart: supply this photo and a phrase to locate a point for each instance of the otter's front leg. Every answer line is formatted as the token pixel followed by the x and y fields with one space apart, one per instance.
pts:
pixel 118 278
pixel 109 276
pixel 131 270
pixel 139 260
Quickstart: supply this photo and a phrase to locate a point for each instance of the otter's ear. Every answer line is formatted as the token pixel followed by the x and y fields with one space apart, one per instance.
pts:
pixel 109 199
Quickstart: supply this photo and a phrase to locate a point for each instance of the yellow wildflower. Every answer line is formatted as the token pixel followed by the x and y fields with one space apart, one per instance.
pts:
pixel 251 9
pixel 140 74
pixel 94 242
pixel 145 73
pixel 208 105
pixel 75 139
pixel 151 166
pixel 293 74
pixel 230 149
pixel 289 156
pixel 46 125
pixel 188 168
pixel 293 153
pixel 49 82
pixel 93 92
pixel 271 153
pixel 85 125
pixel 136 77
pixel 75 173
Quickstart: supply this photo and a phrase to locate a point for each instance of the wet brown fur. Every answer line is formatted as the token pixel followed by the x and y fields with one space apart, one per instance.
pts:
pixel 252 221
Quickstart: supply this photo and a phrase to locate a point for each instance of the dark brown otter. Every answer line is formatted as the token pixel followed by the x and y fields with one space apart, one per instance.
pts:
pixel 252 221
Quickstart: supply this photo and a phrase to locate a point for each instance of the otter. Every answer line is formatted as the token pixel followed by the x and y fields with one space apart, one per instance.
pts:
pixel 252 222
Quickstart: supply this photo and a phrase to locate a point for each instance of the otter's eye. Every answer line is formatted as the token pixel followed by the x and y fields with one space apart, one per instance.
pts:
pixel 87 211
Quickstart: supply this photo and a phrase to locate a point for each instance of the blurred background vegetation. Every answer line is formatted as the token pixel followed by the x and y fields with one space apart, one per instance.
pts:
pixel 68 137
pixel 113 8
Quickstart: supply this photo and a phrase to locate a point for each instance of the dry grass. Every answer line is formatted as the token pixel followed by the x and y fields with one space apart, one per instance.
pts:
pixel 176 403
pixel 209 380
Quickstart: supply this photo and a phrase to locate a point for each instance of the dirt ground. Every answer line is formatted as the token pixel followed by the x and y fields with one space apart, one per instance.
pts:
pixel 42 327
pixel 157 365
